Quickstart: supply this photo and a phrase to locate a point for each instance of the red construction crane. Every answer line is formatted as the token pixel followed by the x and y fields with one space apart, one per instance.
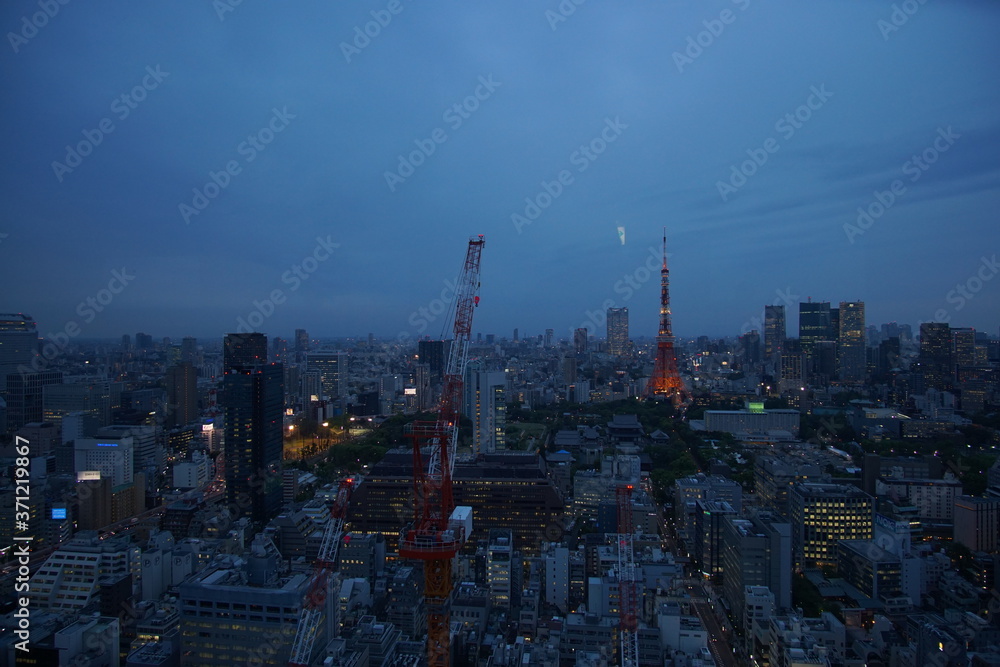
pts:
pixel 628 596
pixel 313 607
pixel 439 529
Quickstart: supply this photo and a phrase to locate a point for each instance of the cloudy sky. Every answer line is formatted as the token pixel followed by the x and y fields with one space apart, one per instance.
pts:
pixel 217 154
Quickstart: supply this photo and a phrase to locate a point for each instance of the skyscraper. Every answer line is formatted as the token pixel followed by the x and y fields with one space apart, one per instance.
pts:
pixel 434 353
pixel 580 340
pixel 618 331
pixel 814 324
pixel 485 404
pixel 332 369
pixel 774 334
pixel 965 346
pixel 182 394
pixel 18 342
pixel 852 342
pixel 936 360
pixel 189 350
pixel 253 403
pixel 241 350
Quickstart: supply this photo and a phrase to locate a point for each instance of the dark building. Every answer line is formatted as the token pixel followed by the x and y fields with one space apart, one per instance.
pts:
pixel 182 394
pixel 936 361
pixel 506 491
pixel 243 350
pixel 24 396
pixel 253 404
pixel 774 333
pixel 434 353
pixel 815 325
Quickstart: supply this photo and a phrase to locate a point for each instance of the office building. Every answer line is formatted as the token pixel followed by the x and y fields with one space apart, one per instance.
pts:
pixel 19 344
pixel 237 610
pixel 618 343
pixel 244 350
pixel 756 551
pixel 977 523
pixel 434 353
pixel 331 367
pixel 509 491
pixel 821 516
pixel 774 334
pixel 936 359
pixel 24 396
pixel 580 340
pixel 110 457
pixel 503 569
pixel 814 325
pixel 98 397
pixel 870 568
pixel 485 403
pixel 72 577
pixel 253 405
pixel 182 395
pixel 964 347
pixel 852 342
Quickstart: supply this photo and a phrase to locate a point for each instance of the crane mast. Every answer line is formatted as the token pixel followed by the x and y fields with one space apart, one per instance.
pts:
pixel 439 529
pixel 313 607
pixel 627 590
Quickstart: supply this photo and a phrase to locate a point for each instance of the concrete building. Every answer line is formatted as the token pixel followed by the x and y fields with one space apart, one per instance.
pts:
pixel 822 515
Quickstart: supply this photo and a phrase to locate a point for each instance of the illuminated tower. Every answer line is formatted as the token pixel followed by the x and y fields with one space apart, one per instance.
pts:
pixel 666 381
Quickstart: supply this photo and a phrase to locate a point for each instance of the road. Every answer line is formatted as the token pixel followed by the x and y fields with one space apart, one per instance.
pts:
pixel 717 642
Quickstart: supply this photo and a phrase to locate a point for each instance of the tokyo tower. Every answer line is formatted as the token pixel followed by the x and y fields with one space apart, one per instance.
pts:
pixel 666 381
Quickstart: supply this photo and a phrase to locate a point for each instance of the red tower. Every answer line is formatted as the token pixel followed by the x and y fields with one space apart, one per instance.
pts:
pixel 666 381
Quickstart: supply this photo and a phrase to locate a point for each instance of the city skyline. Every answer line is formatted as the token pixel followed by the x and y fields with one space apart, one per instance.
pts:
pixel 287 151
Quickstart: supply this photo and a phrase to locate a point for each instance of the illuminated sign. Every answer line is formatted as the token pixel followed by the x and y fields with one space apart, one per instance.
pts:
pixel 756 407
pixel 58 513
pixel 410 391
pixel 107 444
pixel 88 475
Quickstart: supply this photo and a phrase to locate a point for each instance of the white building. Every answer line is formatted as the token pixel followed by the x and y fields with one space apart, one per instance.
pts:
pixel 112 457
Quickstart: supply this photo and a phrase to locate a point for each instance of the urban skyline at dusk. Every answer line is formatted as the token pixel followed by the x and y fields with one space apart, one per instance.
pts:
pixel 290 151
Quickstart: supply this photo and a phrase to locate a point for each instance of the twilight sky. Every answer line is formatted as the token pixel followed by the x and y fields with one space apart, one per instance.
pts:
pixel 354 180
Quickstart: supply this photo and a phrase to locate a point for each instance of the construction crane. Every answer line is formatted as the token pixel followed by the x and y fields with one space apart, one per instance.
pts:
pixel 313 607
pixel 439 529
pixel 628 597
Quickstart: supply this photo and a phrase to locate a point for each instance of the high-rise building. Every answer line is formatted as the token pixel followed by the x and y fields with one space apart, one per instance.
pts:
pixel 549 334
pixel 503 569
pixel 965 346
pixel 580 340
pixel 823 514
pixel 852 342
pixel 618 331
pixel 434 353
pixel 99 397
pixel 182 395
pixel 936 360
pixel 24 396
pixel 332 369
pixel 253 404
pixel 774 334
pixel 189 350
pixel 485 404
pixel 143 341
pixel 244 350
pixel 18 343
pixel 756 551
pixel 71 578
pixel 814 325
